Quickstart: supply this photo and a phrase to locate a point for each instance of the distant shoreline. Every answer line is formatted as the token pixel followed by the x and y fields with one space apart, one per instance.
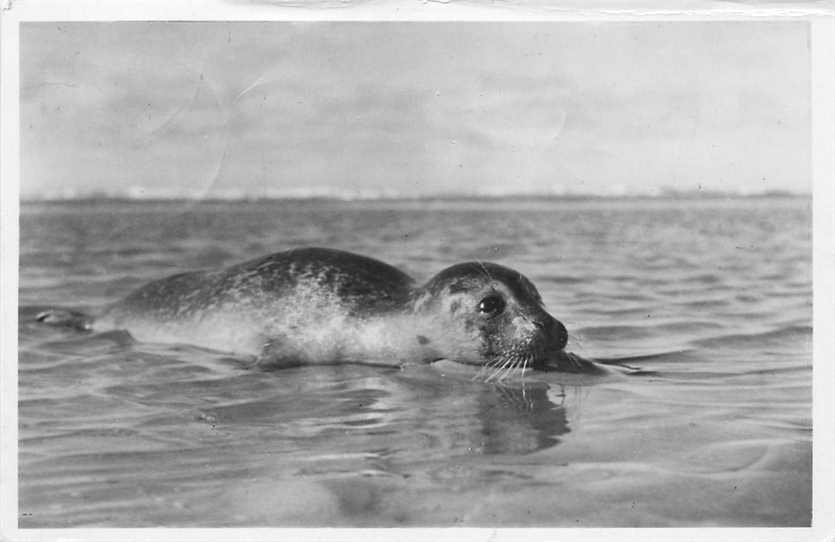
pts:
pixel 667 196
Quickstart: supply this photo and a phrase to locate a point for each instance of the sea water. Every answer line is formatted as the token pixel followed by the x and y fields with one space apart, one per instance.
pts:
pixel 711 300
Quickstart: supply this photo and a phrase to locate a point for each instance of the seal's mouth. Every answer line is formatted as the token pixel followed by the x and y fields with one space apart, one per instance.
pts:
pixel 544 350
pixel 499 367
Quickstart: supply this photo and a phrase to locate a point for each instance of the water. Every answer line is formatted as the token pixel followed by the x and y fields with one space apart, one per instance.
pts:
pixel 710 299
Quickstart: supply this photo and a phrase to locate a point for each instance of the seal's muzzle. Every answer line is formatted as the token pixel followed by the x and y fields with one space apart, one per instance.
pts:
pixel 555 332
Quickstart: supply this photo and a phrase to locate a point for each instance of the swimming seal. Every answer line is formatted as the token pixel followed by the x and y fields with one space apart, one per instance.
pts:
pixel 317 305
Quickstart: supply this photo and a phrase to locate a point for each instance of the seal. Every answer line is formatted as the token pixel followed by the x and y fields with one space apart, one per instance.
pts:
pixel 318 305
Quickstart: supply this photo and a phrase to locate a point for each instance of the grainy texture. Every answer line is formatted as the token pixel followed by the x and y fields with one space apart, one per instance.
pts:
pixel 710 299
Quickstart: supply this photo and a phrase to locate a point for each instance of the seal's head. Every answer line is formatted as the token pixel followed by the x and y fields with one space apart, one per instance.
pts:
pixel 492 316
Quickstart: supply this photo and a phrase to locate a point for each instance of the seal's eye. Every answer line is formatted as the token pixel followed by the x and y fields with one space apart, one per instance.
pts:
pixel 490 305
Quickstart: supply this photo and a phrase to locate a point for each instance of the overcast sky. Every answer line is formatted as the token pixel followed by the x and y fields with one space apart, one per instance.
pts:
pixel 414 108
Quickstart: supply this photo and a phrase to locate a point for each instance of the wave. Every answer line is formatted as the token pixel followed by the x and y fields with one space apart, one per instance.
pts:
pixel 778 336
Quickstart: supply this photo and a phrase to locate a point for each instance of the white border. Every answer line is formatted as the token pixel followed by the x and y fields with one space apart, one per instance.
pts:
pixel 823 174
pixel 9 249
pixel 822 20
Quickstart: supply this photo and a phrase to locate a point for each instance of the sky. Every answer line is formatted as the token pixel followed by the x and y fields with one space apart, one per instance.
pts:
pixel 224 109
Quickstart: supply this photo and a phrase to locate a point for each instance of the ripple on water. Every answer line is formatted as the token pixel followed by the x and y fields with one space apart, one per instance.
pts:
pixel 611 333
pixel 778 337
pixel 717 431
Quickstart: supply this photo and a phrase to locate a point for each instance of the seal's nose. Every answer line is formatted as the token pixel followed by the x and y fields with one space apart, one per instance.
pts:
pixel 555 333
pixel 560 334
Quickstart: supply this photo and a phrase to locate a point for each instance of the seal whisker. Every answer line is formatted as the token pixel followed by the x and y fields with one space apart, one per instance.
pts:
pixel 494 373
pixel 517 362
pixel 480 374
pixel 486 368
pixel 502 368
pixel 489 377
pixel 500 374
pixel 521 363
pixel 506 368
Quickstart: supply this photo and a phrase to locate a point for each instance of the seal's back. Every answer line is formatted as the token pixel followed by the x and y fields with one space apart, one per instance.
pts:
pixel 360 283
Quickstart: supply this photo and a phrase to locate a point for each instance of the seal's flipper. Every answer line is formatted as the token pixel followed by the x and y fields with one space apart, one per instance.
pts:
pixel 66 318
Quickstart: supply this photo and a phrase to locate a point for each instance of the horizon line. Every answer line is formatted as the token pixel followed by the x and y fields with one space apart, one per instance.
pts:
pixel 667 194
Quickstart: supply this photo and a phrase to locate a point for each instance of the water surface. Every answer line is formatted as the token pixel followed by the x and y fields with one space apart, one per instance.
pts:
pixel 710 299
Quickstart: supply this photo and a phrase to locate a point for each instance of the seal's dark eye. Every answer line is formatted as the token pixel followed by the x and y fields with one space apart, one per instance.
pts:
pixel 490 305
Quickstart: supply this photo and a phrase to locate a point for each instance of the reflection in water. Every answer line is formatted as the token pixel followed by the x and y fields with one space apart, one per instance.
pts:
pixel 519 419
pixel 455 415
pixel 458 424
